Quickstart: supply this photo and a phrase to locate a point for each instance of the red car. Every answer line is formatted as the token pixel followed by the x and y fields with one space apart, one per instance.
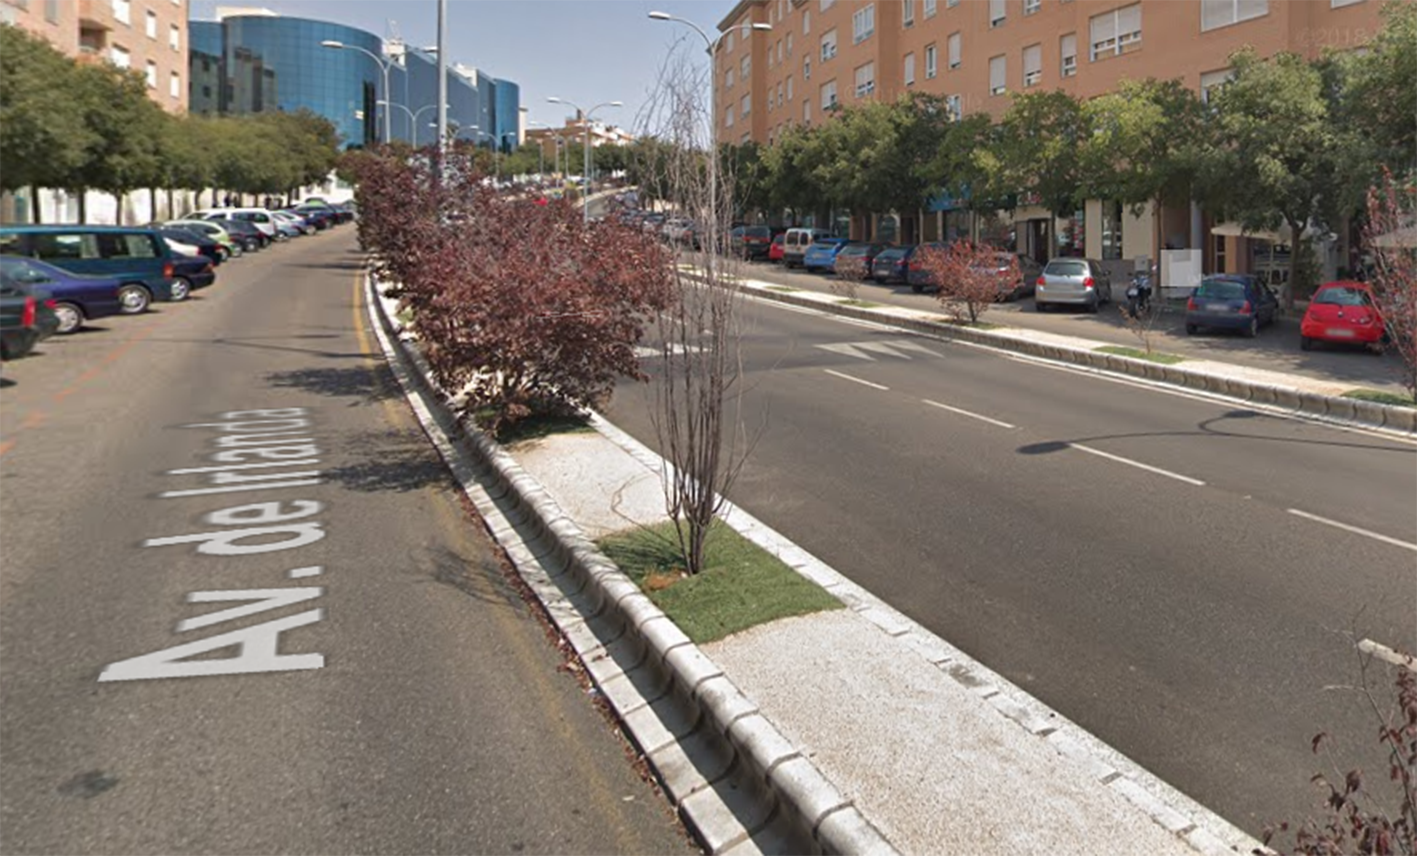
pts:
pixel 1342 312
pixel 776 247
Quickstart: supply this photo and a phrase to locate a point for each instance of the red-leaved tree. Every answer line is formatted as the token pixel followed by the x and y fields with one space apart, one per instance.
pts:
pixel 972 276
pixel 1391 239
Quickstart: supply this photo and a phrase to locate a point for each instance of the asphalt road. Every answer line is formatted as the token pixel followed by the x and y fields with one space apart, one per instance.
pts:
pixel 1135 558
pixel 384 690
pixel 1276 348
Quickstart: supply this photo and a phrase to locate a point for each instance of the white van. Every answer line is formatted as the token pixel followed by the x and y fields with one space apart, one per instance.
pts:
pixel 261 218
pixel 795 243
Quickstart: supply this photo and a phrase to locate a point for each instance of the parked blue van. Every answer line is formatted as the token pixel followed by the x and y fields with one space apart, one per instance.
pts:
pixel 137 257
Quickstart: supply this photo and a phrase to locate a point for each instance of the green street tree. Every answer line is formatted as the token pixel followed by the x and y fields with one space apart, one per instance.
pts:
pixel 962 163
pixel 126 125
pixel 1277 155
pixel 790 186
pixel 44 136
pixel 1145 144
pixel 1037 150
pixel 1380 97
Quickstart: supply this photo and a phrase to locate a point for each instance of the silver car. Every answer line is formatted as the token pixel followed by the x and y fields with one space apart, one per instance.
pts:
pixel 1073 282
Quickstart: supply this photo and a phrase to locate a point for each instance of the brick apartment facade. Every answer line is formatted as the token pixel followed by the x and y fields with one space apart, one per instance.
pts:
pixel 976 53
pixel 148 36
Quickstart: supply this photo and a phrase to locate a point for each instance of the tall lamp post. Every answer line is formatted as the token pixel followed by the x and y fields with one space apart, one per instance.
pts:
pixel 412 116
pixel 585 120
pixel 710 46
pixel 384 66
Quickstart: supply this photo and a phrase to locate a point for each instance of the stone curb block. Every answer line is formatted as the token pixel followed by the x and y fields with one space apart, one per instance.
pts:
pixel 1343 408
pixel 1397 418
pixel 803 791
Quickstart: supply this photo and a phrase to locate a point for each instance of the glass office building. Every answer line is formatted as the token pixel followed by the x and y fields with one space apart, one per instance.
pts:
pixel 258 62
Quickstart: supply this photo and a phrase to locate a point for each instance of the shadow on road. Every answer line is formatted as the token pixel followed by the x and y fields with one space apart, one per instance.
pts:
pixel 360 382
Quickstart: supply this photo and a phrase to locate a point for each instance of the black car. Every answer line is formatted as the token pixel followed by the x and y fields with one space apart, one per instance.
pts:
pixel 750 242
pixel 892 264
pixel 247 234
pixel 206 246
pixel 26 318
pixel 322 216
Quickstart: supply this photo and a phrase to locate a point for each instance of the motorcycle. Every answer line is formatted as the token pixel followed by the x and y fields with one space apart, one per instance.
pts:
pixel 1139 293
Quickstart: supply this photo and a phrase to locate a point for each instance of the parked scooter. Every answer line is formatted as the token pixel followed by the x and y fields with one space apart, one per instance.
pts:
pixel 1139 293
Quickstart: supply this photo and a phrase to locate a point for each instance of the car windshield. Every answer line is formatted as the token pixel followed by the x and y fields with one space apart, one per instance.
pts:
pixel 1341 296
pixel 757 232
pixel 891 254
pixel 1057 268
pixel 1221 289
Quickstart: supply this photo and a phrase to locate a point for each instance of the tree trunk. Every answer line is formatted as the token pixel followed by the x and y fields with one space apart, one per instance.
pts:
pixel 36 215
pixel 84 206
pixel 1296 248
pixel 118 197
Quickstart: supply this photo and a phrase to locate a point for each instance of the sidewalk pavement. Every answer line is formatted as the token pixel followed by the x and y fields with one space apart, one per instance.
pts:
pixel 864 731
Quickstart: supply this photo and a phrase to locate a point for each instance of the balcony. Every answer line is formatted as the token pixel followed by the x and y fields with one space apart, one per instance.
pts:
pixel 96 15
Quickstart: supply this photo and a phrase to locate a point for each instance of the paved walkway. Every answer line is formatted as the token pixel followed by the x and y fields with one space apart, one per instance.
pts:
pixel 937 752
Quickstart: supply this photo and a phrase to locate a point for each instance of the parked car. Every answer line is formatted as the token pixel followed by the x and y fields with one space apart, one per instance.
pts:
pixel 321 216
pixel 750 242
pixel 1028 270
pixel 653 222
pixel 1230 303
pixel 1342 312
pixel 193 273
pixel 212 230
pixel 190 243
pixel 919 278
pixel 138 257
pixel 680 231
pixel 26 318
pixel 250 238
pixel 822 254
pixel 795 244
pixel 295 221
pixel 74 298
pixel 259 217
pixel 779 241
pixel 1073 282
pixel 892 264
pixel 865 251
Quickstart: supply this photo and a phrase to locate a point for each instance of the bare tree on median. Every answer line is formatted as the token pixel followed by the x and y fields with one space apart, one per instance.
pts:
pixel 697 390
pixel 1391 238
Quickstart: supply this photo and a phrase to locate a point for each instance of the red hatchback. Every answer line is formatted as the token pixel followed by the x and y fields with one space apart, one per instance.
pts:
pixel 1342 312
pixel 776 247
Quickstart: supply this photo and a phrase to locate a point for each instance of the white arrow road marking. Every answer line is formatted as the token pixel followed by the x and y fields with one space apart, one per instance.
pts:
pixel 889 348
pixel 881 348
pixel 1354 529
pixel 848 350
pixel 855 379
pixel 1138 464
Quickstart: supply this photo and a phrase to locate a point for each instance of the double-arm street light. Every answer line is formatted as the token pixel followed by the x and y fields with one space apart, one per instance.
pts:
pixel 710 46
pixel 585 120
pixel 384 66
pixel 412 115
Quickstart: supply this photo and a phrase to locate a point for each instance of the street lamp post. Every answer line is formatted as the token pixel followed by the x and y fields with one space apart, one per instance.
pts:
pixel 412 116
pixel 384 66
pixel 710 45
pixel 585 120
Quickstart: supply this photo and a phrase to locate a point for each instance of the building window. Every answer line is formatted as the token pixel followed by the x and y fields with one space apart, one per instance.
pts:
pixel 806 22
pixel 1032 65
pixel 824 5
pixel 1337 4
pixel 745 106
pixel 1219 253
pixel 952 51
pixel 828 94
pixel 954 107
pixel 1068 46
pixel 789 44
pixel 121 57
pixel 745 67
pixel 806 68
pixel 828 45
pixel 1031 7
pixel 728 117
pixel 150 24
pixel 863 24
pixel 51 11
pixel 909 75
pixel 779 51
pixel 780 102
pixel 151 75
pixel 789 89
pixel 997 13
pixel 1111 231
pixel 907 14
pixel 728 40
pixel 865 80
pixel 174 37
pixel 806 112
pixel 930 8
pixel 1223 13
pixel 174 85
pixel 931 62
pixel 728 79
pixel 1213 80
pixel 123 11
pixel 1115 33
pixel 998 75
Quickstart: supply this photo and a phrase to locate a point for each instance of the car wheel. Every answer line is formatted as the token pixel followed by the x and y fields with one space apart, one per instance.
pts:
pixel 1305 343
pixel 1192 329
pixel 1040 306
pixel 134 299
pixel 181 288
pixel 237 250
pixel 70 316
pixel 1253 328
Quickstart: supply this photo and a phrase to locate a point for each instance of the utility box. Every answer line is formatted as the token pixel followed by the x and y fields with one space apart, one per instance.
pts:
pixel 1181 272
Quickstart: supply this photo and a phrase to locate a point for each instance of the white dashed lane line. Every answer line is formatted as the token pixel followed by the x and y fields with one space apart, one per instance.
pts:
pixel 1367 533
pixel 856 380
pixel 1138 464
pixel 969 414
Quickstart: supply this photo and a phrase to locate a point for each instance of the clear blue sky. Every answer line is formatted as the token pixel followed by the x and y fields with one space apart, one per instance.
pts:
pixel 586 51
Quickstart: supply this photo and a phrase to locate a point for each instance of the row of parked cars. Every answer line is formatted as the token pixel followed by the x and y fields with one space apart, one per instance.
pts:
pixel 1340 312
pixel 55 279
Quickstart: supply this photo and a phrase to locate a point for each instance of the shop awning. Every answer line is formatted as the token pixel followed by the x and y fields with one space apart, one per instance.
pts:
pixel 1276 236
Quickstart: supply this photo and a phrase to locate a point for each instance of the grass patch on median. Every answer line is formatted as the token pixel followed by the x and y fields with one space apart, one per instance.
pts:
pixel 780 288
pixel 405 316
pixel 1138 354
pixel 743 587
pixel 535 427
pixel 1396 399
pixel 862 304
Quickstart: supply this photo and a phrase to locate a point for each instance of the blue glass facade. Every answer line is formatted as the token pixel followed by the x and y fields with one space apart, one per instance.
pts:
pixel 255 63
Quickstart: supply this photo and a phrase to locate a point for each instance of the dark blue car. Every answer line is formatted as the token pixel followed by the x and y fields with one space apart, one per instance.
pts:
pixel 76 298
pixel 1231 302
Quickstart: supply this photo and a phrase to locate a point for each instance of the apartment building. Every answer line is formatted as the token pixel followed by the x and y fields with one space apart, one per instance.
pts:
pixel 149 36
pixel 978 53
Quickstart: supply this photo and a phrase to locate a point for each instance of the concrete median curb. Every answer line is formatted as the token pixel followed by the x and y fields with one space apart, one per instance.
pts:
pixel 1329 408
pixel 734 778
